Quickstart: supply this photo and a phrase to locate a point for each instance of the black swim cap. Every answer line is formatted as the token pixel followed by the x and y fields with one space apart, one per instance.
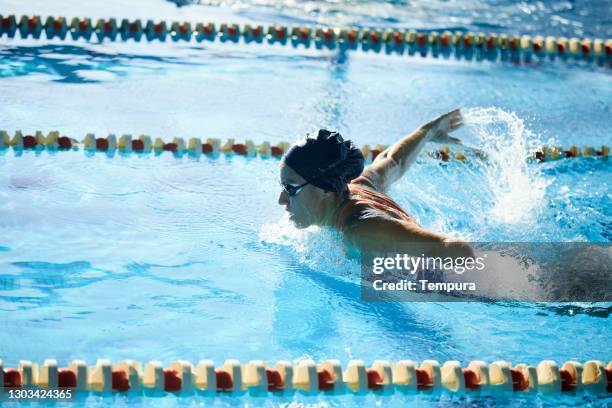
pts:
pixel 326 160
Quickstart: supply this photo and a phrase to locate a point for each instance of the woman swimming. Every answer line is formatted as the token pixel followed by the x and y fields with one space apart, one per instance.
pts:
pixel 324 183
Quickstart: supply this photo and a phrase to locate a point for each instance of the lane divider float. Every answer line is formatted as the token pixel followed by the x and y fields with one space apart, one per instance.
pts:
pixel 467 45
pixel 195 146
pixel 555 153
pixel 311 377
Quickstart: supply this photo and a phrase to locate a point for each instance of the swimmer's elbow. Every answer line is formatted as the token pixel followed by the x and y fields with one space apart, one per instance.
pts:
pixel 458 249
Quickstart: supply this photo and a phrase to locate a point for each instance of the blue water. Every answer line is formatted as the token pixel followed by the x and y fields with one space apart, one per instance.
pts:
pixel 163 258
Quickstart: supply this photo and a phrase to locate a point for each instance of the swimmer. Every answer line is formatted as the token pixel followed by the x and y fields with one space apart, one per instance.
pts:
pixel 324 183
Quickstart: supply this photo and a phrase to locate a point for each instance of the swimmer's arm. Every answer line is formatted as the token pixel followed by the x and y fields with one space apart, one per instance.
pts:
pixel 381 234
pixel 392 163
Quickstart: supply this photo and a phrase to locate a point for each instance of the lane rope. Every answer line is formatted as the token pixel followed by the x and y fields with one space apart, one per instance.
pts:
pixel 308 376
pixel 144 144
pixel 466 45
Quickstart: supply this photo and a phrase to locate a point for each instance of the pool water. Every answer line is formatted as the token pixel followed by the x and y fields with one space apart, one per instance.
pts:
pixel 165 258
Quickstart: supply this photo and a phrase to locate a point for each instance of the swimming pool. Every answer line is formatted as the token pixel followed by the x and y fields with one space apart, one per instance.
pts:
pixel 165 258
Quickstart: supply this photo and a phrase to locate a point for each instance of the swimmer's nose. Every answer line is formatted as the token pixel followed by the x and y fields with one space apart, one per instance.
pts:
pixel 282 198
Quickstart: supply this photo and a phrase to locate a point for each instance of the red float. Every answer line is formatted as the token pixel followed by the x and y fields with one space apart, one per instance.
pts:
pixel 280 33
pixel 172 382
pixel 207 148
pixel 108 27
pixel 442 155
pixel 491 42
pixel 567 381
pixel 275 381
pixel 256 31
pixel 101 144
pixel 537 46
pixel 64 142
pixel 560 47
pixel 32 23
pixel 304 33
pixel 159 28
pixel 6 23
pixel 120 381
pixel 57 25
pixel 519 381
pixel 351 36
pixel 276 151
pixel 83 26
pixel 224 380
pixel 137 145
pixel 471 379
pixel 398 38
pixel 327 35
pixel 586 49
pixel 374 380
pixel 29 142
pixel 424 381
pixel 12 378
pixel 133 28
pixel 231 31
pixel 66 378
pixel 170 147
pixel 421 40
pixel 239 148
pixel 444 40
pixel 326 381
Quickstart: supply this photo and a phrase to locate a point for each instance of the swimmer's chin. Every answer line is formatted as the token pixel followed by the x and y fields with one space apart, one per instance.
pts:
pixel 297 223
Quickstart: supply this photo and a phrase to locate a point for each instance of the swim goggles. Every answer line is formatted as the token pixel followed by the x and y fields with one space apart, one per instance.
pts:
pixel 293 189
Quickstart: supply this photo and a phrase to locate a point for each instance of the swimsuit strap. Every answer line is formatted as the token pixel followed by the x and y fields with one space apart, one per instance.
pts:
pixel 376 198
pixel 344 213
pixel 366 196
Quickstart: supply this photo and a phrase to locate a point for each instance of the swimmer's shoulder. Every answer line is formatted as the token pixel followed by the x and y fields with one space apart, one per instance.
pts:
pixel 361 217
pixel 363 182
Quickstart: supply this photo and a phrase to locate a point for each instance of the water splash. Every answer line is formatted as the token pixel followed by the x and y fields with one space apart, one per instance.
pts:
pixel 518 190
pixel 315 247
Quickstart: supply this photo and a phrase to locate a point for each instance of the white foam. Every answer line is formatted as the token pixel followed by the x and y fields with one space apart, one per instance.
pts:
pixel 318 248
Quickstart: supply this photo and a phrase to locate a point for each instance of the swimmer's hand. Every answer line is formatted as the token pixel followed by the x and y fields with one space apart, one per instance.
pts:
pixel 439 128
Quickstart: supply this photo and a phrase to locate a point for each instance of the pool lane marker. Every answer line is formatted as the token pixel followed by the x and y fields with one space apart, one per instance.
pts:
pixel 144 144
pixel 468 45
pixel 306 376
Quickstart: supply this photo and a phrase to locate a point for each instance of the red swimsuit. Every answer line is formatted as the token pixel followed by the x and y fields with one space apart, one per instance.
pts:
pixel 361 195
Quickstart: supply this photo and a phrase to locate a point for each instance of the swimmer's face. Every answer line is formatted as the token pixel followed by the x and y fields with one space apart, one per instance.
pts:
pixel 305 207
